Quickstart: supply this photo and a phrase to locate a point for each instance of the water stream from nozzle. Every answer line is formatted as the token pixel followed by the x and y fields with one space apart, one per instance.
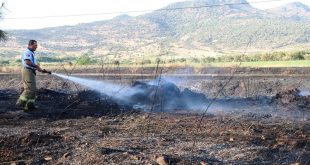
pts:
pixel 139 95
pixel 110 89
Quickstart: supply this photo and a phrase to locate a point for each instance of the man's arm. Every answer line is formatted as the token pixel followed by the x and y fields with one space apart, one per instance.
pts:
pixel 29 63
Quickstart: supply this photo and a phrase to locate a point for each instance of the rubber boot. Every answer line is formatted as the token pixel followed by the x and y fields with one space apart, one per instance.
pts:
pixel 20 103
pixel 30 106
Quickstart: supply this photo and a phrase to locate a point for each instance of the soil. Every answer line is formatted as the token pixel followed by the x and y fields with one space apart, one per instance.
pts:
pixel 253 120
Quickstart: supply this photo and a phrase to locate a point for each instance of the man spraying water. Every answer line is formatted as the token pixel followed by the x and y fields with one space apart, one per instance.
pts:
pixel 29 68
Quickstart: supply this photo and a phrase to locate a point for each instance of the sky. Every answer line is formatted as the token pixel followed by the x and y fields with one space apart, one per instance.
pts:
pixel 17 12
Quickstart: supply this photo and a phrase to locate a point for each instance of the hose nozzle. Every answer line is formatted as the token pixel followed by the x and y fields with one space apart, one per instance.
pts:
pixel 45 71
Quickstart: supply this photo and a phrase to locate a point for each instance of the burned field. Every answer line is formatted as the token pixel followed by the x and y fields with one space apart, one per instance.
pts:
pixel 175 120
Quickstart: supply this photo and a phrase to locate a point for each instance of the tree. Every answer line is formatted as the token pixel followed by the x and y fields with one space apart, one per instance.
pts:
pixel 84 60
pixel 2 33
pixel 297 56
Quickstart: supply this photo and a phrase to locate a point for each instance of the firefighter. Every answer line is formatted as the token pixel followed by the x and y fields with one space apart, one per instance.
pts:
pixel 29 68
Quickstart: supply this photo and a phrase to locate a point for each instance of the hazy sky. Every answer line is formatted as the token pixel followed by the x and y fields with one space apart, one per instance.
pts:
pixel 21 10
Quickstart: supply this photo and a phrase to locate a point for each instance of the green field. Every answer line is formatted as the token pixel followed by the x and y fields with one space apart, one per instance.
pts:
pixel 254 64
pixel 297 63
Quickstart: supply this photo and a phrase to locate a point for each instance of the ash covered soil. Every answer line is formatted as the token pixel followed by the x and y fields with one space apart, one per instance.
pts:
pixel 253 121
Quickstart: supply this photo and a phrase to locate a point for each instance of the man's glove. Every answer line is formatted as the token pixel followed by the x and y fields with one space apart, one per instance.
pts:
pixel 45 71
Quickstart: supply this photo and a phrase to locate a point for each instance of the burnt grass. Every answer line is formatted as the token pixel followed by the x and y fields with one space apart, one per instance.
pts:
pixel 78 126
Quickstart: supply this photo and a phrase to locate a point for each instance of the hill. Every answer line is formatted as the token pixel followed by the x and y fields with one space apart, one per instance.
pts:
pixel 295 10
pixel 190 28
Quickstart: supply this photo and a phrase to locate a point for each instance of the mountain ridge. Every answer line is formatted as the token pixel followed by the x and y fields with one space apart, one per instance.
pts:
pixel 190 31
pixel 295 10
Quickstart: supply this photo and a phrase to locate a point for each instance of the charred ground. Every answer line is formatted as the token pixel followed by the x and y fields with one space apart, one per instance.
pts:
pixel 255 120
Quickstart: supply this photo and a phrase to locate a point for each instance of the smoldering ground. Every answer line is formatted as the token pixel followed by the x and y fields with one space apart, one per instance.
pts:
pixel 163 95
pixel 154 94
pixel 78 125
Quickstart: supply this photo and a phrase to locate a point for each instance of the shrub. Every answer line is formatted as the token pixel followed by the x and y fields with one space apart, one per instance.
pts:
pixel 18 60
pixel 146 61
pixel 116 62
pixel 84 60
pixel 6 62
pixel 171 61
pixel 195 60
pixel 182 59
pixel 208 59
pixel 297 56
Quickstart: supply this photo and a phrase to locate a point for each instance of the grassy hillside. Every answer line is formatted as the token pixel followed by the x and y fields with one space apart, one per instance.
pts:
pixel 186 32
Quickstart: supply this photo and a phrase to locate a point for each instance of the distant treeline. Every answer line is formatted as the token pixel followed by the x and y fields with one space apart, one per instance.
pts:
pixel 40 59
pixel 274 56
pixel 86 59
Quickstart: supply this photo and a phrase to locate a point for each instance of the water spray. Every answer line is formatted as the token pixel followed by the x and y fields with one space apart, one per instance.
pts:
pixel 112 90
pixel 145 94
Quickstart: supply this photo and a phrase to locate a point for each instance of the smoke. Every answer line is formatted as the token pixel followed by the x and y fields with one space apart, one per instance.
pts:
pixel 304 93
pixel 161 95
pixel 158 94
